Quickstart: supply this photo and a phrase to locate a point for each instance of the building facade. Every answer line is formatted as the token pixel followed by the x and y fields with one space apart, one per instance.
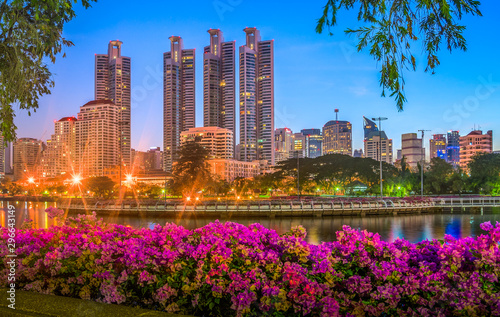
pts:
pixel 299 145
pixel 219 86
pixel 218 141
pixel 59 157
pixel 27 155
pixel 256 80
pixel 314 142
pixel 376 144
pixel 453 148
pixel 337 137
pixel 178 97
pixel 412 150
pixel 112 82
pixel 97 141
pixel 437 146
pixel 474 143
pixel 229 170
pixel 284 144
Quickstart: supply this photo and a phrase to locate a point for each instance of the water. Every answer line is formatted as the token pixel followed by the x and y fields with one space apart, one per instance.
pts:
pixel 413 228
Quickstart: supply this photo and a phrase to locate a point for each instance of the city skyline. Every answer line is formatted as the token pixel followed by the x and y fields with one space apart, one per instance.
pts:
pixel 345 80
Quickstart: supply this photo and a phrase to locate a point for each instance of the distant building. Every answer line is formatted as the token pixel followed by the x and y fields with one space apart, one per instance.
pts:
pixel 154 159
pixel 2 157
pixel 377 145
pixel 138 161
pixel 256 60
pixel 314 142
pixel 412 149
pixel 399 155
pixel 8 159
pixel 358 153
pixel 97 138
pixel 27 157
pixel 337 137
pixel 229 170
pixel 453 148
pixel 284 144
pixel 219 83
pixel 112 82
pixel 59 157
pixel 474 143
pixel 178 98
pixel 437 146
pixel 299 145
pixel 218 141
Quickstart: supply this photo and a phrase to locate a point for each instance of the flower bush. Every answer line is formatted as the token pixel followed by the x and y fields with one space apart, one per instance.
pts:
pixel 234 270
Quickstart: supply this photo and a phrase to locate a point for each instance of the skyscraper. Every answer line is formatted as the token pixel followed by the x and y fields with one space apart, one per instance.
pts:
pixel 314 142
pixel 59 157
pixel 178 97
pixel 411 149
pixel 256 98
pixel 377 145
pixel 219 83
pixel 337 136
pixel 284 144
pixel 27 156
pixel 112 82
pixel 97 138
pixel 2 156
pixel 437 146
pixel 453 148
pixel 474 143
pixel 218 141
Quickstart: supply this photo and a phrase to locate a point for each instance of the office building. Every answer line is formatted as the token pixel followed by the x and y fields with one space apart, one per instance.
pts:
pixel 437 146
pixel 474 143
pixel 178 97
pixel 284 144
pixel 299 145
pixel 229 170
pixel 412 150
pixel 337 137
pixel 218 141
pixel 154 159
pixel 26 157
pixel 376 144
pixel 59 157
pixel 453 148
pixel 112 82
pixel 2 156
pixel 219 94
pixel 97 141
pixel 256 59
pixel 314 142
pixel 358 153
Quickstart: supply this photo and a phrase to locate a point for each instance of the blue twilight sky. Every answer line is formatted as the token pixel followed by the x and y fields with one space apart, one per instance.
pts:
pixel 314 74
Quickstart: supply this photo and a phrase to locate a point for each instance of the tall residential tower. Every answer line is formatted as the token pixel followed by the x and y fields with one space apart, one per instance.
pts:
pixel 219 83
pixel 256 59
pixel 112 82
pixel 178 97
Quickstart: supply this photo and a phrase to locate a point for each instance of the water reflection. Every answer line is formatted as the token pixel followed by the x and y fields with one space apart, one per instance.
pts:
pixel 414 228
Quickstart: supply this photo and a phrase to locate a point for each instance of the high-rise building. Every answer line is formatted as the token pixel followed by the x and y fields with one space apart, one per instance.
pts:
pixel 377 145
pixel 411 149
pixel 112 82
pixel 97 142
pixel 299 145
pixel 453 148
pixel 178 97
pixel 256 98
pixel 2 156
pixel 219 85
pixel 27 156
pixel 314 142
pixel 59 157
pixel 229 170
pixel 218 141
pixel 284 144
pixel 474 143
pixel 337 137
pixel 437 146
pixel 154 159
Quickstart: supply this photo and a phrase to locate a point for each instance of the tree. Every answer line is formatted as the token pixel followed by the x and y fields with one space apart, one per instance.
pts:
pixel 391 27
pixel 31 33
pixel 191 173
pixel 101 186
pixel 438 177
pixel 485 173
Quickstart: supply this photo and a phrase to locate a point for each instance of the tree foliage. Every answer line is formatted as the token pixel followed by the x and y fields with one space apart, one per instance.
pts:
pixel 485 173
pixel 31 34
pixel 191 173
pixel 390 30
pixel 101 186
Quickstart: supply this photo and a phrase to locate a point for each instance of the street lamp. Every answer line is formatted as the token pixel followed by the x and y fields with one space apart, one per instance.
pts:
pixel 422 162
pixel 380 119
pixel 76 180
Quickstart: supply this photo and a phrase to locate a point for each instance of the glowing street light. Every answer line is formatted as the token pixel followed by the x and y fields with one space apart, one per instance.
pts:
pixel 129 178
pixel 76 180
pixel 31 180
pixel 188 198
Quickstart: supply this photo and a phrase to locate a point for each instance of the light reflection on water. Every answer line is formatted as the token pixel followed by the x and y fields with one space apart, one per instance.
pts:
pixel 414 228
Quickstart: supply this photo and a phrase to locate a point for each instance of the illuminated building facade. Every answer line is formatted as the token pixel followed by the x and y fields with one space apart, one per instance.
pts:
pixel 218 141
pixel 437 146
pixel 337 137
pixel 314 142
pixel 59 157
pixel 474 143
pixel 27 154
pixel 376 144
pixel 453 148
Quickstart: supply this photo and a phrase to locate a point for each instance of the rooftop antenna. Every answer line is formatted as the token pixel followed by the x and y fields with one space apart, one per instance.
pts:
pixel 336 114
